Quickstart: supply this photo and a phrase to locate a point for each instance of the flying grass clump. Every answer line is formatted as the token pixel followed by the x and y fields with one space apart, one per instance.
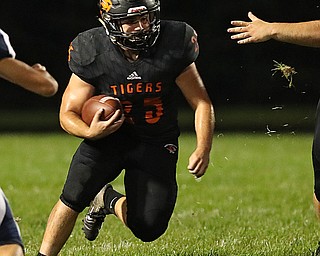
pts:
pixel 286 71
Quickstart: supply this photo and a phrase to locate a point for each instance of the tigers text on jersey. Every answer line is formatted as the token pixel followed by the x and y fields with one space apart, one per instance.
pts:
pixel 145 87
pixel 6 49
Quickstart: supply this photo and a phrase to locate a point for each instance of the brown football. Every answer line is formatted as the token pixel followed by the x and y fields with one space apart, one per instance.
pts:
pixel 109 104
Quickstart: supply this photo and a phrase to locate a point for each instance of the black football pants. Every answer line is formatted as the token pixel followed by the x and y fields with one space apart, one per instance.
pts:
pixel 150 180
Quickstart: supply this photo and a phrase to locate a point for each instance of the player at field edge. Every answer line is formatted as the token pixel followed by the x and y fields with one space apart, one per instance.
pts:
pixel 35 79
pixel 144 62
pixel 301 33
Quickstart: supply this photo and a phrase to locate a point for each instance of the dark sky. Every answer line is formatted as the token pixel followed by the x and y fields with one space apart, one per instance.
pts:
pixel 40 31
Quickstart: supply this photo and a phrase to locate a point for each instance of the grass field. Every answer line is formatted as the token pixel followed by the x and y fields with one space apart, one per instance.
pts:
pixel 256 198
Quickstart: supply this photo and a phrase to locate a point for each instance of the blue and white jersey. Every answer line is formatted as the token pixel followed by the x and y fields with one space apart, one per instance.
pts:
pixel 9 229
pixel 6 50
pixel 2 206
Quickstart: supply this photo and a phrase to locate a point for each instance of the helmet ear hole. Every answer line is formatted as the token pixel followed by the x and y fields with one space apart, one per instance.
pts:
pixel 112 11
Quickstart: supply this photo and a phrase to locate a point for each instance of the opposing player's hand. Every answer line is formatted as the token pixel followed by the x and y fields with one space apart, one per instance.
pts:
pixel 99 129
pixel 198 163
pixel 254 31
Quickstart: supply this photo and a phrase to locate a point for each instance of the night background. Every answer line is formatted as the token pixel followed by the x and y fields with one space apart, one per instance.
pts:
pixel 238 77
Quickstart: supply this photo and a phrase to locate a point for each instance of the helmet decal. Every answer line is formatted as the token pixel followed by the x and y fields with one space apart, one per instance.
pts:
pixel 106 5
pixel 137 9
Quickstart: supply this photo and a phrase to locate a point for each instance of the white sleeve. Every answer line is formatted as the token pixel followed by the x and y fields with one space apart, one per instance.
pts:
pixel 6 50
pixel 2 206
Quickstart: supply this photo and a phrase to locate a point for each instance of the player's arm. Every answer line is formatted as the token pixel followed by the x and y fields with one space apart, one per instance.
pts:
pixel 193 89
pixel 75 95
pixel 33 78
pixel 257 30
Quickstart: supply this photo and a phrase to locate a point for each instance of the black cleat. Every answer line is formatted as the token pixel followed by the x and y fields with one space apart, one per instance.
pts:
pixel 95 217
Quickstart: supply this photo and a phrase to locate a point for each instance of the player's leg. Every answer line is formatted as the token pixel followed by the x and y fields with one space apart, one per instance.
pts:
pixel 152 203
pixel 59 227
pixel 113 153
pixel 316 163
pixel 316 204
pixel 151 185
pixel 85 179
pixel 10 238
pixel 120 209
pixel 11 250
pixel 149 207
pixel 151 190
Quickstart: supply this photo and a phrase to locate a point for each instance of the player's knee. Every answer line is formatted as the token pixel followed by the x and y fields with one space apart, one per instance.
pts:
pixel 11 249
pixel 148 233
pixel 73 194
pixel 149 228
pixel 73 202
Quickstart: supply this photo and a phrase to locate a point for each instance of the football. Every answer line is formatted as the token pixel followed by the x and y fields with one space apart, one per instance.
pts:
pixel 109 104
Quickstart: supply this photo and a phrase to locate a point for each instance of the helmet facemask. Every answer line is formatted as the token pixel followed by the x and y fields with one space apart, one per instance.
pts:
pixel 136 40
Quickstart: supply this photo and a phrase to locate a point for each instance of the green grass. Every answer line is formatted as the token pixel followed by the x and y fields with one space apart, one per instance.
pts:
pixel 256 198
pixel 232 117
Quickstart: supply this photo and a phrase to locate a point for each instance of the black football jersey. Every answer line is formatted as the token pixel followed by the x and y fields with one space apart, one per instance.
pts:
pixel 6 49
pixel 145 87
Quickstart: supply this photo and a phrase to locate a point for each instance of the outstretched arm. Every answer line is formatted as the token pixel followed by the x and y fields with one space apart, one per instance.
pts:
pixel 257 30
pixel 33 78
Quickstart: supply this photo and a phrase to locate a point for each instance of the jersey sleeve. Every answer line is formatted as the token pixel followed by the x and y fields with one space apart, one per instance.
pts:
pixel 191 46
pixel 81 56
pixel 6 50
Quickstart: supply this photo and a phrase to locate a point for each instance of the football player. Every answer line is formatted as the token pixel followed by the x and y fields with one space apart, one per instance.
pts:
pixel 35 79
pixel 144 62
pixel 300 33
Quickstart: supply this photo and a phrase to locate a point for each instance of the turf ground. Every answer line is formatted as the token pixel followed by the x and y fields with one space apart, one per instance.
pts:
pixel 256 198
